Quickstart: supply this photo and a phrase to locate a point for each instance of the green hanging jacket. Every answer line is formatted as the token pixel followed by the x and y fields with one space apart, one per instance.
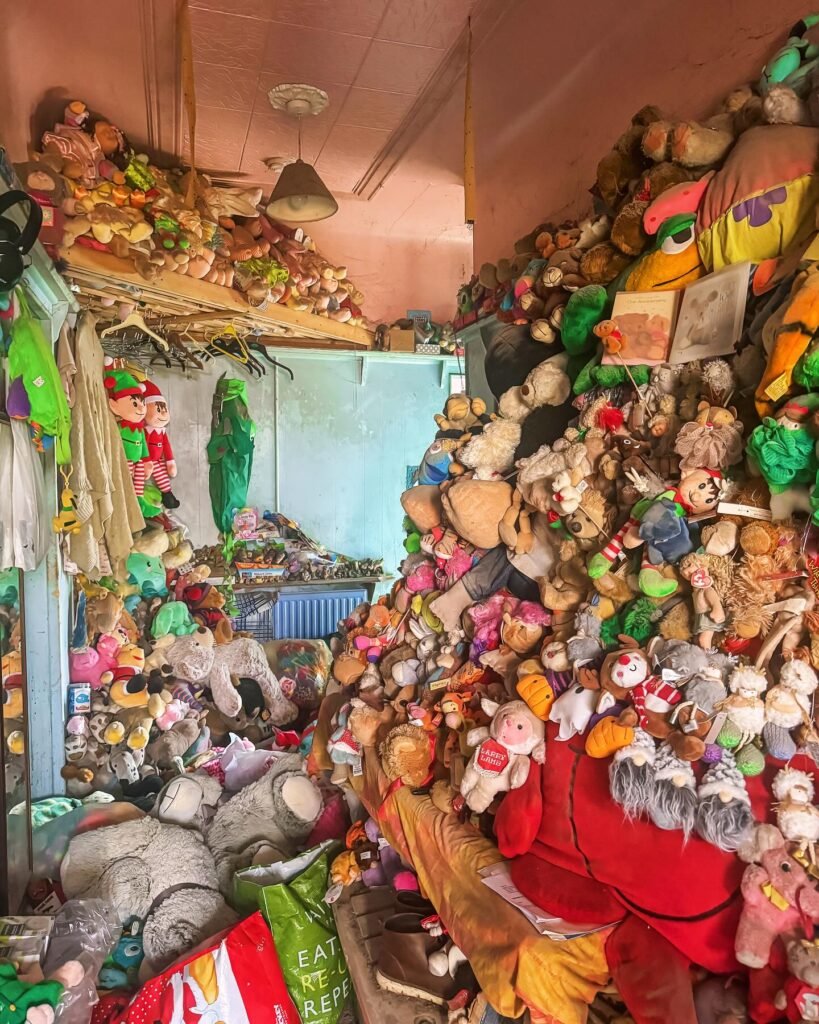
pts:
pixel 230 451
pixel 30 357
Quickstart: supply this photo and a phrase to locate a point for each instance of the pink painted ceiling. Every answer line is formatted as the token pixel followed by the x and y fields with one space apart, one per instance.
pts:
pixel 405 242
pixel 554 87
pixel 372 57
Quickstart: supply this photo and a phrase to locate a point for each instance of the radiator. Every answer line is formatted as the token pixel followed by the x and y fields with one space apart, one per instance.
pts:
pixel 312 616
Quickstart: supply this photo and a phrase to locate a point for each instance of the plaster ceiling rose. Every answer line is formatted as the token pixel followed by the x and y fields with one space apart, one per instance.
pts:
pixel 298 100
pixel 276 164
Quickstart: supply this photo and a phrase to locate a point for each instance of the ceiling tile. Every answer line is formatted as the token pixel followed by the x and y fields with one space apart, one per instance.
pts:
pixel 366 108
pixel 245 8
pixel 358 17
pixel 398 67
pixel 220 136
pixel 302 54
pixel 425 22
pixel 347 153
pixel 228 40
pixel 273 134
pixel 224 87
pixel 336 94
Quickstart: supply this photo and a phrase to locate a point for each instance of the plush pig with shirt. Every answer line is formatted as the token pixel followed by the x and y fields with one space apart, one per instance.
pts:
pixel 500 761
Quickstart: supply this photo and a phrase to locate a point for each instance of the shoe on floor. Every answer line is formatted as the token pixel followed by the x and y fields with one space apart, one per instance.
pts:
pixel 409 902
pixel 402 965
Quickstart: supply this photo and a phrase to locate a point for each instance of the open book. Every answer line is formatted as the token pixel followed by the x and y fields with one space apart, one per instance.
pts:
pixel 700 322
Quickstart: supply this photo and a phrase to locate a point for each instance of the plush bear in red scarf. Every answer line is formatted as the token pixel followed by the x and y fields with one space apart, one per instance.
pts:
pixel 157 418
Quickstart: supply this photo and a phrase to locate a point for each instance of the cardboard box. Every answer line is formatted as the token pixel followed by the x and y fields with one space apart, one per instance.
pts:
pixel 401 341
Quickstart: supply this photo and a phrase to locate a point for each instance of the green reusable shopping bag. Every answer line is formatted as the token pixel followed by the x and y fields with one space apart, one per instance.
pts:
pixel 307 943
pixel 230 451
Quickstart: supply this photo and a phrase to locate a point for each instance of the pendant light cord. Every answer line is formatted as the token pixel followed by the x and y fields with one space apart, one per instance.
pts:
pixel 299 138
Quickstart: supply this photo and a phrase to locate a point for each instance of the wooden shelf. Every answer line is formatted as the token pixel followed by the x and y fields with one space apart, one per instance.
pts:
pixel 98 274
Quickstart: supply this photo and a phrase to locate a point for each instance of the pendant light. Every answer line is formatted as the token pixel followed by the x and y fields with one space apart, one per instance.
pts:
pixel 300 196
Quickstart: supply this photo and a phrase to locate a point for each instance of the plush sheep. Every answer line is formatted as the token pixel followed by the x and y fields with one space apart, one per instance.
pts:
pixel 501 760
pixel 198 659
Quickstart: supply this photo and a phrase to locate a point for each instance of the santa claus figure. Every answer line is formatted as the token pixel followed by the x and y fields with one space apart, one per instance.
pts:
pixel 157 418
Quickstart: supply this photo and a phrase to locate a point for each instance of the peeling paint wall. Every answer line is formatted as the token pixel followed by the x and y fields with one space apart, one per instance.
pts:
pixel 330 452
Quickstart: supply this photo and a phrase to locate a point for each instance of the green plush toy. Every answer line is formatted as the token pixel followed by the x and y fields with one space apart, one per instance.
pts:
pixel 21 1003
pixel 173 618
pixel 585 308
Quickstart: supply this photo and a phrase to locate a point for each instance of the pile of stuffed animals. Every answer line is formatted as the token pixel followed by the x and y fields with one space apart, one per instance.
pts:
pixel 603 649
pixel 710 214
pixel 98 192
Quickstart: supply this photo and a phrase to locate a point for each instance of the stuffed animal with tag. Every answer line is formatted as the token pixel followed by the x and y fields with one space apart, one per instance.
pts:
pixel 501 759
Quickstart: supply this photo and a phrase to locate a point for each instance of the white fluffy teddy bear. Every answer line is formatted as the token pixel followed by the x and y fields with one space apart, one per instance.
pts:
pixel 492 453
pixel 547 384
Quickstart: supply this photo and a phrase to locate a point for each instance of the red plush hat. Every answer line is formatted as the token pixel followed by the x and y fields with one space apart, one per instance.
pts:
pixel 152 393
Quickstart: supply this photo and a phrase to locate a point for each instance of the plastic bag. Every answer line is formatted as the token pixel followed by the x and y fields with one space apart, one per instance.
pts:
pixel 249 882
pixel 302 667
pixel 84 930
pixel 243 764
pixel 31 531
pixel 234 977
pixel 306 938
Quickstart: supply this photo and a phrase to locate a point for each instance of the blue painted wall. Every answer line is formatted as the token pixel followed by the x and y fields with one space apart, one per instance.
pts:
pixel 331 450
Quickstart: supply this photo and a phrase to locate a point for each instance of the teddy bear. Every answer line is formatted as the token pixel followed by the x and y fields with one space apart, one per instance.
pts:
pixel 462 415
pixel 197 658
pixel 491 454
pixel 206 603
pixel 799 997
pixel 546 384
pixel 778 897
pixel 406 757
pixel 500 761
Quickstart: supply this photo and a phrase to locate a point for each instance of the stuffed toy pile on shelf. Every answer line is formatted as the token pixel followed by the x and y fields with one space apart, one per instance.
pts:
pixel 99 193
pixel 604 645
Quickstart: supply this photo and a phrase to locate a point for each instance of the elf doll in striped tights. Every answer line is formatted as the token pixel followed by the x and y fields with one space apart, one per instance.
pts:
pixel 157 418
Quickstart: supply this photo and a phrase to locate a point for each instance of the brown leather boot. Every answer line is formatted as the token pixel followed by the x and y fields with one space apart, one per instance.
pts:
pixel 402 965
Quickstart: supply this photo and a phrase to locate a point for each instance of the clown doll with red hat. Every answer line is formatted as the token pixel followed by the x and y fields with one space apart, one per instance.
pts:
pixel 157 418
pixel 126 401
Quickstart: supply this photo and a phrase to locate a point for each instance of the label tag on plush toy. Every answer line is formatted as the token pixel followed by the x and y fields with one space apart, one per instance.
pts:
pixel 492 758
pixel 777 388
pixel 382 843
pixel 729 508
pixel 358 767
pixel 440 684
pixel 333 893
pixel 716 727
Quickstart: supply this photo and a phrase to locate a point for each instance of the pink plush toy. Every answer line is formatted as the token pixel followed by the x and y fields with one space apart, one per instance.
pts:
pixel 95 666
pixel 779 898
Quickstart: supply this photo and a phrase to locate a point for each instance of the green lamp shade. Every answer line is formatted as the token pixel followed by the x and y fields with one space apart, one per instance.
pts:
pixel 300 196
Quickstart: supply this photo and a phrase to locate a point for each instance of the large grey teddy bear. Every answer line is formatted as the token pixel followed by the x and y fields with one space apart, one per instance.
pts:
pixel 265 822
pixel 162 874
